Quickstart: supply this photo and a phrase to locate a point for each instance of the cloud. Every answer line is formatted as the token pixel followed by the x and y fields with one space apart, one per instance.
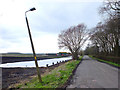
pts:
pixel 71 1
pixel 49 19
pixel 54 17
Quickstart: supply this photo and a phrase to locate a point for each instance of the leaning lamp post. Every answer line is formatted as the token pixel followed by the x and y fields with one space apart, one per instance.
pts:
pixel 32 45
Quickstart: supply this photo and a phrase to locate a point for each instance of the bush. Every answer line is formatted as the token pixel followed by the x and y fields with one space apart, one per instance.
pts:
pixel 109 58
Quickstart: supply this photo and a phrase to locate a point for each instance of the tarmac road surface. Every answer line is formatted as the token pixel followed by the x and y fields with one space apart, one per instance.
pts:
pixel 93 74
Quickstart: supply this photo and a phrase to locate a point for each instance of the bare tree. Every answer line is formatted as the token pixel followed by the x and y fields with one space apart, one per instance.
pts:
pixel 107 37
pixel 73 39
pixel 110 7
pixel 112 24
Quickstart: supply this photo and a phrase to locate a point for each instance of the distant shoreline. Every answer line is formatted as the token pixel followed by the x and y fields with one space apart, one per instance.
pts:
pixel 12 59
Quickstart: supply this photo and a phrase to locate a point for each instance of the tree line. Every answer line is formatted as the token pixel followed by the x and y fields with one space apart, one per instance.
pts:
pixel 105 37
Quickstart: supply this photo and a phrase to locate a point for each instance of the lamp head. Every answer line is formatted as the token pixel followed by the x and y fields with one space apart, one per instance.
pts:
pixel 32 9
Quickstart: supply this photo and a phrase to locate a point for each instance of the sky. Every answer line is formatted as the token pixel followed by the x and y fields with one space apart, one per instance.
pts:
pixel 46 22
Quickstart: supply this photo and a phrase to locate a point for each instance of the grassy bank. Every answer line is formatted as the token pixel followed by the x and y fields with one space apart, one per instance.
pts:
pixel 105 61
pixel 80 58
pixel 56 78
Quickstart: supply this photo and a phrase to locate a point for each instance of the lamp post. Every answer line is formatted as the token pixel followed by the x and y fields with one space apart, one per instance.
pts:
pixel 35 58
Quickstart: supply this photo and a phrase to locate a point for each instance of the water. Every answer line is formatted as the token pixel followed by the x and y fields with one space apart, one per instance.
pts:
pixel 41 63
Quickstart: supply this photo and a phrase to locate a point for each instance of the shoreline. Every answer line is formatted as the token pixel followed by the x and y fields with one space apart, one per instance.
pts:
pixel 11 76
pixel 20 59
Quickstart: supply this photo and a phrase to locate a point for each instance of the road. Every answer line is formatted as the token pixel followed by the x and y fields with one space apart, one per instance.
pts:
pixel 93 74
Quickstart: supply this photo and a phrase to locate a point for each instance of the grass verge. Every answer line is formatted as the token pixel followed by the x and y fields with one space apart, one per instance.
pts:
pixel 80 58
pixel 56 78
pixel 105 61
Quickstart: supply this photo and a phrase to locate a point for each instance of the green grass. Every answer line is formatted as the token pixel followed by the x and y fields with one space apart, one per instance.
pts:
pixel 56 78
pixel 114 64
pixel 80 58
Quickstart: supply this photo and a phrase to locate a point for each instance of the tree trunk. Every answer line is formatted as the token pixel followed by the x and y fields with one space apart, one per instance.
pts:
pixel 117 48
pixel 75 56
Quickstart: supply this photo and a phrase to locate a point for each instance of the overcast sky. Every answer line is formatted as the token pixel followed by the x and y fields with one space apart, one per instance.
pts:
pixel 49 19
